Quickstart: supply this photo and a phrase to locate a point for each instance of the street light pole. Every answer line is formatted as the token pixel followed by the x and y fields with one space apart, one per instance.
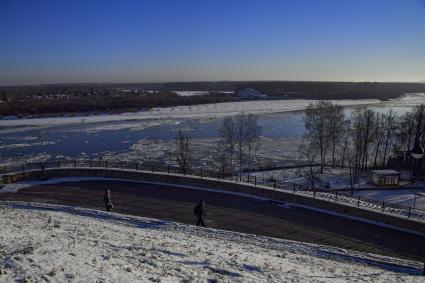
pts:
pixel 417 152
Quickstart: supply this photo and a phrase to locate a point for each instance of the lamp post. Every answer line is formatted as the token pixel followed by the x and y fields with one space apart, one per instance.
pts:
pixel 417 153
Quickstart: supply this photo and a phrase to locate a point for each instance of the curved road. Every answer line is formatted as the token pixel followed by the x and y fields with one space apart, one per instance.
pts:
pixel 230 212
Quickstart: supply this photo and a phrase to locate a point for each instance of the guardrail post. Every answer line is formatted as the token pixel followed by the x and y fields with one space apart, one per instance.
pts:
pixel 201 174
pixel 152 168
pixel 410 212
pixel 295 188
pixel 168 169
pixel 240 177
pixel 336 196
pixel 248 177
pixel 136 166
pixel 106 163
pixel 4 169
pixel 314 193
pixel 218 175
pixel 121 165
pixel 383 206
pixel 23 167
pixel 59 164
pixel 358 201
pixel 255 180
pixel 75 163
pixel 274 184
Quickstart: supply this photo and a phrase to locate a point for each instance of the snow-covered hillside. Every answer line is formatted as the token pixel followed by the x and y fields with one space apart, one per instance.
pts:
pixel 60 244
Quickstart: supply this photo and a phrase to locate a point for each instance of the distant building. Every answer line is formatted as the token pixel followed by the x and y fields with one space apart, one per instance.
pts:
pixel 250 93
pixel 385 177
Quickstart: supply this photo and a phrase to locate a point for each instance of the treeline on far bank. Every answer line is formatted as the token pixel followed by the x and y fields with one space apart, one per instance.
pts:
pixel 42 106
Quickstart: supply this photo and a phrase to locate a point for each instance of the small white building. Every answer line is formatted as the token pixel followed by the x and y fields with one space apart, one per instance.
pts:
pixel 385 177
pixel 250 93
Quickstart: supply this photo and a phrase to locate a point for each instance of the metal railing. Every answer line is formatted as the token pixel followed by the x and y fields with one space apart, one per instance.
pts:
pixel 341 197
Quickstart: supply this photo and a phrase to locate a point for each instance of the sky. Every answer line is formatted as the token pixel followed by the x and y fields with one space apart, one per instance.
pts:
pixel 76 41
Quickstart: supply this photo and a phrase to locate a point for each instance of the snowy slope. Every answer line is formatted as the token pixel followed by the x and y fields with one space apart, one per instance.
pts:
pixel 57 244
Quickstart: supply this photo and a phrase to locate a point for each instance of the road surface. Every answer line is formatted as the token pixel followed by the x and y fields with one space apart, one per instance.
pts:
pixel 230 212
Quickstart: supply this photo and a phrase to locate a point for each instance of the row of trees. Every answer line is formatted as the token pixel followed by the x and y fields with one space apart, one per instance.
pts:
pixel 100 103
pixel 236 147
pixel 362 139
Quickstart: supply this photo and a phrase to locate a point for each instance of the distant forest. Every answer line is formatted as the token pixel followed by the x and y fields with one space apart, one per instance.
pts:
pixel 79 98
pixel 98 103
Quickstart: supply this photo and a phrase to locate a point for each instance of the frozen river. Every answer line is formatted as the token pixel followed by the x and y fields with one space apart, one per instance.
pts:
pixel 149 134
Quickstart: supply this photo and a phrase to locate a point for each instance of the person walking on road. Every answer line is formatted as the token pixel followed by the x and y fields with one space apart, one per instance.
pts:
pixel 200 213
pixel 108 200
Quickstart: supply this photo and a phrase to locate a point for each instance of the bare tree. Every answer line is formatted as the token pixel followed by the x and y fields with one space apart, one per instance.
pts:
pixel 354 168
pixel 347 133
pixel 380 133
pixel 309 153
pixel 406 131
pixel 221 156
pixel 335 123
pixel 252 136
pixel 355 152
pixel 239 134
pixel 369 120
pixel 389 127
pixel 323 121
pixel 182 151
pixel 227 141
pixel 241 126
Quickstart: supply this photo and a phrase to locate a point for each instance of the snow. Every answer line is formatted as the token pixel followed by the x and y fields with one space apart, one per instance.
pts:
pixel 408 99
pixel 57 243
pixel 212 110
pixel 194 111
pixel 18 145
pixel 191 93
pixel 15 187
pixel 405 197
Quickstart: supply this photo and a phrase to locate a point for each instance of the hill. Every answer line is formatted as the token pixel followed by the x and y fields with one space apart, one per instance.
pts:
pixel 57 243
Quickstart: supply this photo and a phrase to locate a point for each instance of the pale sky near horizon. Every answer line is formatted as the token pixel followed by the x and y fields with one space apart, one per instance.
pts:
pixel 47 41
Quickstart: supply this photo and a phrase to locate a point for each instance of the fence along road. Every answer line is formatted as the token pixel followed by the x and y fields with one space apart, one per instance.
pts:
pixel 341 198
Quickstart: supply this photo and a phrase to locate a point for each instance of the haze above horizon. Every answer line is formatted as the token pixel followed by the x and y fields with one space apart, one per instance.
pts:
pixel 164 40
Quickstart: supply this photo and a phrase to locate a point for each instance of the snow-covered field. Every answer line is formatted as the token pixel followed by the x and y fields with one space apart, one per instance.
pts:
pixel 194 111
pixel 214 110
pixel 66 244
pixel 410 197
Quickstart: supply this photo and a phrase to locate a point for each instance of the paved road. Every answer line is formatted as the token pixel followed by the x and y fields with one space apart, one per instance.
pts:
pixel 230 212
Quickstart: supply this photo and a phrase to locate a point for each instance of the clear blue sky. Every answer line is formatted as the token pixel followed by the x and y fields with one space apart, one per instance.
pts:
pixel 54 41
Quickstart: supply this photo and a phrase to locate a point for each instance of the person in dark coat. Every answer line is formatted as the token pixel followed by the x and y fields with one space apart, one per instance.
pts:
pixel 108 200
pixel 200 213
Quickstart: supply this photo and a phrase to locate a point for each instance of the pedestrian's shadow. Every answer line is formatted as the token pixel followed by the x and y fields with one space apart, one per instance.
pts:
pixel 133 221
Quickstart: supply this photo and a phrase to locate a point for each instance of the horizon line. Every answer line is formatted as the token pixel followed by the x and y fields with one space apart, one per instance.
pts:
pixel 202 81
